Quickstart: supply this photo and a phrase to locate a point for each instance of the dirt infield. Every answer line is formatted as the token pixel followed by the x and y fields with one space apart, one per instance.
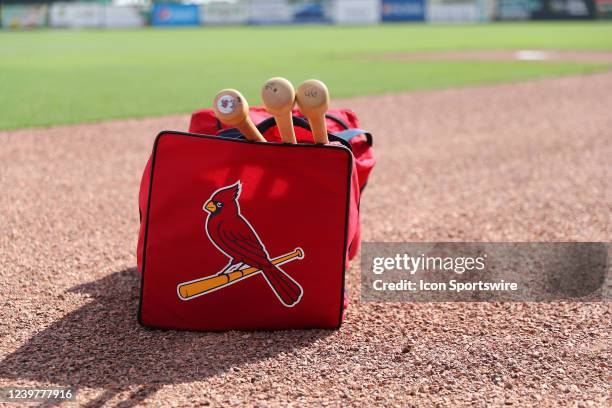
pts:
pixel 527 161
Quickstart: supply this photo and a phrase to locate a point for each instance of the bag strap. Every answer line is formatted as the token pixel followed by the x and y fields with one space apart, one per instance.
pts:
pixel 270 122
pixel 336 119
pixel 343 137
pixel 352 133
pixel 266 124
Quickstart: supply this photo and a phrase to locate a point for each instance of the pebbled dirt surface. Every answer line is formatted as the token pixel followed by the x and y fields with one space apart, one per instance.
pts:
pixel 526 161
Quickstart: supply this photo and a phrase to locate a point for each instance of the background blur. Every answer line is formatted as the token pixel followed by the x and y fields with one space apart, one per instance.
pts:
pixel 75 62
pixel 138 13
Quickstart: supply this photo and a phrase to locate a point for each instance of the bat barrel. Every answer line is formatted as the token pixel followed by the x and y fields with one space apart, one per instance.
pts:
pixel 278 97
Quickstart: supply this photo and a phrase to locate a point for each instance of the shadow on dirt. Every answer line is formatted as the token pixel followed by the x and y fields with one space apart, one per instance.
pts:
pixel 101 345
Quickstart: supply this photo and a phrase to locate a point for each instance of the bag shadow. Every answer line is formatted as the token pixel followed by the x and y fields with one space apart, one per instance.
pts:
pixel 101 345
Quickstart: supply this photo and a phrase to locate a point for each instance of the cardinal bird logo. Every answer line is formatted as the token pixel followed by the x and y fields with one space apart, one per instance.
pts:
pixel 233 235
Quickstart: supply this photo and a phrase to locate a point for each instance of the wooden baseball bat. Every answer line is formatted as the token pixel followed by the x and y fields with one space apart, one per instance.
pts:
pixel 278 97
pixel 232 108
pixel 188 290
pixel 313 99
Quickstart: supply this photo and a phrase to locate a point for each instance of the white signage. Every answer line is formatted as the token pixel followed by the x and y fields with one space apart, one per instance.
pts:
pixel 224 12
pixel 123 17
pixel 453 12
pixel 270 12
pixel 76 15
pixel 357 11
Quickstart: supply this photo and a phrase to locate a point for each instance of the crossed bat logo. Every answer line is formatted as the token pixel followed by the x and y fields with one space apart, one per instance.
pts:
pixel 232 234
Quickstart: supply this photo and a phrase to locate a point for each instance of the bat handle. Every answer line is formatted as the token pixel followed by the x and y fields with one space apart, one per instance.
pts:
pixel 319 129
pixel 249 130
pixel 285 127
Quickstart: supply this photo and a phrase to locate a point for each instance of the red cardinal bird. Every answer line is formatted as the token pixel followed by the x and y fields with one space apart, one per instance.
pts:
pixel 233 235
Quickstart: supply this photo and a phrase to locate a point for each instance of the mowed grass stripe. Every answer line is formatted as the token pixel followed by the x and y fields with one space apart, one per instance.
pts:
pixel 57 77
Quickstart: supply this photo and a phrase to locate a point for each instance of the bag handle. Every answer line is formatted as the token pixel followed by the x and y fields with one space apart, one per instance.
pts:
pixel 270 122
pixel 337 120
pixel 266 124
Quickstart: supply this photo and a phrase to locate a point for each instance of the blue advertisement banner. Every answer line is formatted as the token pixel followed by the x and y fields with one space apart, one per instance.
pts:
pixel 311 11
pixel 171 14
pixel 403 10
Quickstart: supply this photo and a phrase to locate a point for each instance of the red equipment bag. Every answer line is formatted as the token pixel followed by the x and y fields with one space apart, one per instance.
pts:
pixel 246 235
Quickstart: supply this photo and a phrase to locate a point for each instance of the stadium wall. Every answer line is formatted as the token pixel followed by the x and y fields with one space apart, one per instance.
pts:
pixel 355 12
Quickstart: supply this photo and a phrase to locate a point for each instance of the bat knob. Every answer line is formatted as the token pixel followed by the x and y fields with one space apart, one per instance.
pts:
pixel 230 107
pixel 312 97
pixel 278 96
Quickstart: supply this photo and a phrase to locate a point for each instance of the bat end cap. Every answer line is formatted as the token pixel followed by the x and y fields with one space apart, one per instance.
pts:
pixel 299 253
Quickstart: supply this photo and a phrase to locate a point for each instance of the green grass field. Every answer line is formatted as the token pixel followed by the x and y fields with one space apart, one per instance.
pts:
pixel 56 77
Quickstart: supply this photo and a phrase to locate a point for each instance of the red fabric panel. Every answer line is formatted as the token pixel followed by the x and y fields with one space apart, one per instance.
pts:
pixel 289 203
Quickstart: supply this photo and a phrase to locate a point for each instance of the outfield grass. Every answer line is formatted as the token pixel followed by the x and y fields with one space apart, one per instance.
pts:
pixel 55 77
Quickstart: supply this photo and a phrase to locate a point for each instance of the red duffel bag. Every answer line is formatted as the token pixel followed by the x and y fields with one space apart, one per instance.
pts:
pixel 342 123
pixel 247 235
